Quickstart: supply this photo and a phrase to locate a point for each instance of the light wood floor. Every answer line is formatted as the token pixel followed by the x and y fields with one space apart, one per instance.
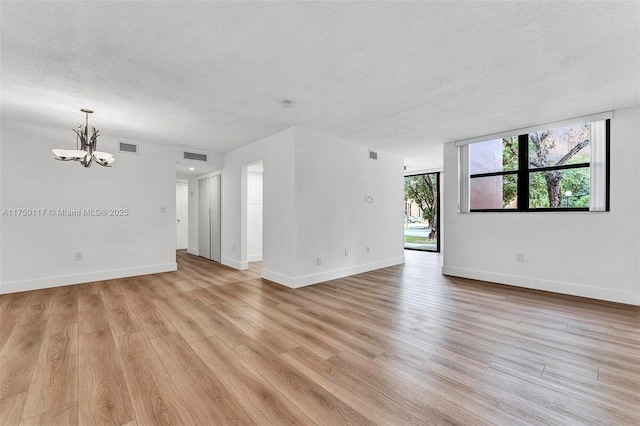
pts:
pixel 209 345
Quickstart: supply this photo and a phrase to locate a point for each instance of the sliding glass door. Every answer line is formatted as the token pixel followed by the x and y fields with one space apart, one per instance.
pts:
pixel 421 212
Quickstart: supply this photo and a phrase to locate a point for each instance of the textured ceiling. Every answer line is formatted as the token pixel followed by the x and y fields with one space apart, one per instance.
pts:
pixel 393 75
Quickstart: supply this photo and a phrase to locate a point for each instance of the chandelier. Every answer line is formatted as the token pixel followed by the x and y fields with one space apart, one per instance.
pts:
pixel 85 151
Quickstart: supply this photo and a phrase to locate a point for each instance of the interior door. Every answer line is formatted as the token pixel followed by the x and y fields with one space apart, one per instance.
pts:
pixel 182 216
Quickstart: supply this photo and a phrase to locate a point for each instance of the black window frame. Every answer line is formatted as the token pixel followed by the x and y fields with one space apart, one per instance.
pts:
pixel 524 171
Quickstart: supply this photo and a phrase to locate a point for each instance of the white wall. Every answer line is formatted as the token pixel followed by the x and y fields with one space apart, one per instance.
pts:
pixel 334 177
pixel 314 189
pixel 254 216
pixel 430 160
pixel 277 154
pixel 38 252
pixel 580 253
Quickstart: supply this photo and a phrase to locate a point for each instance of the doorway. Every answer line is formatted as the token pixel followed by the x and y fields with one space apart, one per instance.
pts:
pixel 422 212
pixel 254 209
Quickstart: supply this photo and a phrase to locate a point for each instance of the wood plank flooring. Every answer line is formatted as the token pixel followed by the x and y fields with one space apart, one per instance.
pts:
pixel 209 345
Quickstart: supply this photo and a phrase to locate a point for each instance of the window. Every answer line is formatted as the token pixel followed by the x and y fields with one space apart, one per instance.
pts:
pixel 421 212
pixel 563 168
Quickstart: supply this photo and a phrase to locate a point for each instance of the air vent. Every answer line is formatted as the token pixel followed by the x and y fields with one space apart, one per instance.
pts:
pixel 128 147
pixel 194 156
pixel 373 155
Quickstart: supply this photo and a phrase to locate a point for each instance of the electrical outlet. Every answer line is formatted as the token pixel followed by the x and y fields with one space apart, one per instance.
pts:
pixel 319 260
pixel 77 255
pixel 520 258
pixel 346 252
pixel 368 249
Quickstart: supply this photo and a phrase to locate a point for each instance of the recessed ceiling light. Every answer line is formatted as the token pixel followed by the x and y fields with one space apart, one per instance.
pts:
pixel 192 168
pixel 287 103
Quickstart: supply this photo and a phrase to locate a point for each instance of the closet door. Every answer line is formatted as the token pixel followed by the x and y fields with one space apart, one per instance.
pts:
pixel 209 232
pixel 204 221
pixel 215 222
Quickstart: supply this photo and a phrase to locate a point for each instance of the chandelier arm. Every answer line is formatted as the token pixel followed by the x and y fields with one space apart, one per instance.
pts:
pixel 78 138
pixel 94 141
pixel 86 160
pixel 103 163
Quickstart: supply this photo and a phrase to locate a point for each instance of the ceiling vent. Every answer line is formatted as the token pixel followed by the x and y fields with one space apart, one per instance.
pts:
pixel 194 156
pixel 373 155
pixel 129 148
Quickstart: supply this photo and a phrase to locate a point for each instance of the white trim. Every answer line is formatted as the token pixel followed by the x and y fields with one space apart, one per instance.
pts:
pixel 254 258
pixel 598 167
pixel 40 283
pixel 285 280
pixel 211 174
pixel 303 281
pixel 585 119
pixel 235 264
pixel 627 297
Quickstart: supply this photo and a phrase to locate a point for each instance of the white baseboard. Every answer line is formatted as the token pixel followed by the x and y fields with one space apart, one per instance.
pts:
pixel 40 283
pixel 285 280
pixel 193 251
pixel 235 264
pixel 254 258
pixel 305 280
pixel 572 289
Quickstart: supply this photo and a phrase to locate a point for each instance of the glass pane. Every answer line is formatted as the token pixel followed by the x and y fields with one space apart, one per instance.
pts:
pixel 559 188
pixel 421 223
pixel 564 145
pixel 494 156
pixel 494 192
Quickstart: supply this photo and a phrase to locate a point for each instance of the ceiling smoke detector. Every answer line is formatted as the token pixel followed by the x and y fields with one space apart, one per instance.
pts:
pixel 286 103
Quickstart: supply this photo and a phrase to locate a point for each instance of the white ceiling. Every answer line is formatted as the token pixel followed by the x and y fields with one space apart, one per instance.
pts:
pixel 393 75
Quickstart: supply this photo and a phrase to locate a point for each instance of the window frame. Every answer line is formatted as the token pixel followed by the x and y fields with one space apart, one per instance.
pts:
pixel 524 171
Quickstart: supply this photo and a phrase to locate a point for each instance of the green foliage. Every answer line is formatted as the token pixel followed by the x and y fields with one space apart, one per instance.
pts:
pixel 576 181
pixel 538 194
pixel 551 148
pixel 509 162
pixel 422 189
